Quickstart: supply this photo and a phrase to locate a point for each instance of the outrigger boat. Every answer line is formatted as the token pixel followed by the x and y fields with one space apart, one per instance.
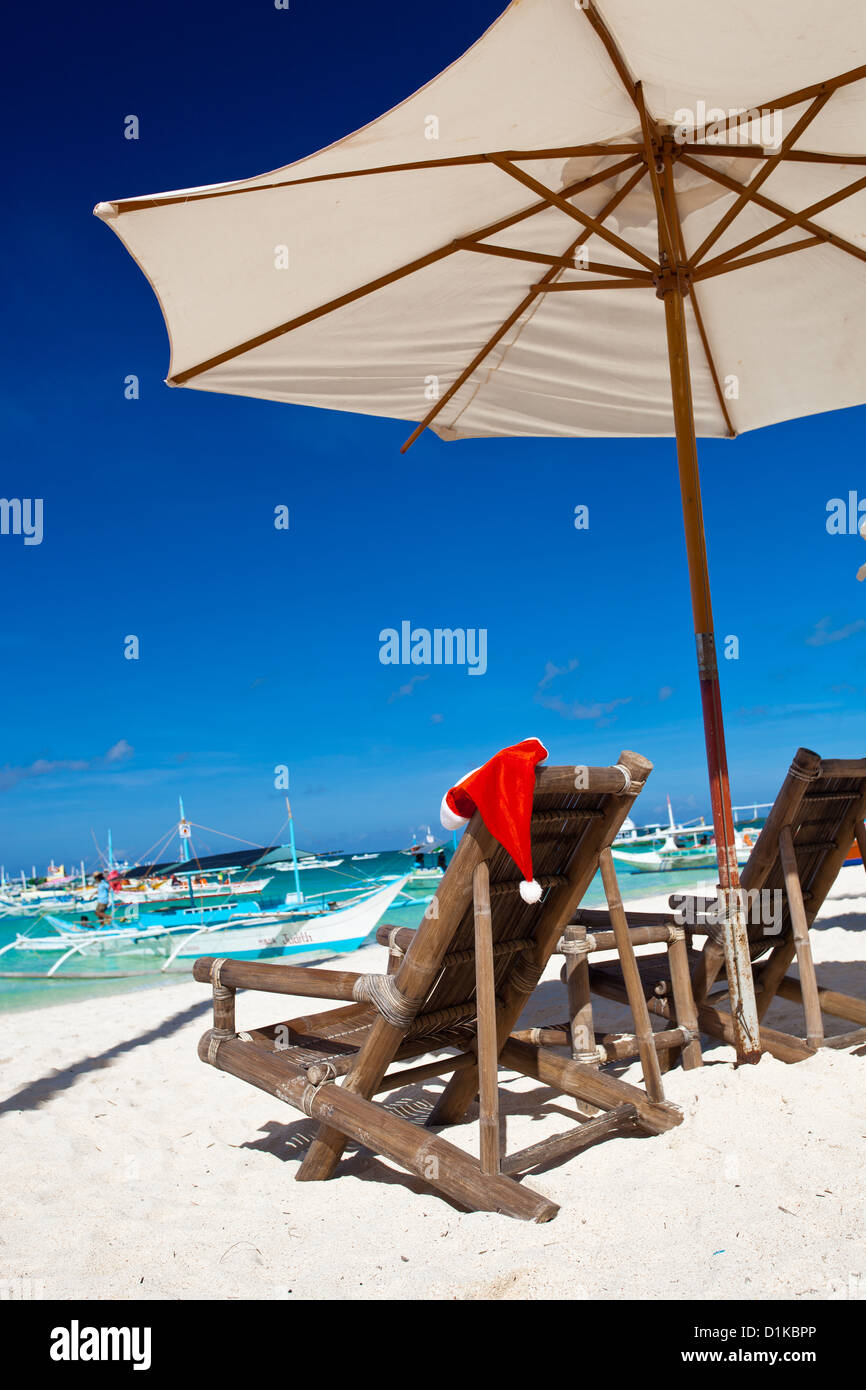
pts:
pixel 170 890
pixel 297 934
pixel 669 856
pixel 424 874
pixel 291 936
pixel 309 861
pixel 657 849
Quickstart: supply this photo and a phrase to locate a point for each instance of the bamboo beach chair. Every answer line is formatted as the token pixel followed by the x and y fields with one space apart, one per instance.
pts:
pixel 816 817
pixel 463 981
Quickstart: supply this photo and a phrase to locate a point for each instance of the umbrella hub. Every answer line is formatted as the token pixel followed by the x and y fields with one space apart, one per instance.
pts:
pixel 670 278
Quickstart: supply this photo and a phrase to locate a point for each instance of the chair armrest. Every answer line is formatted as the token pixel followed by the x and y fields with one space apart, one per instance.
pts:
pixel 278 979
pixel 402 936
pixel 595 919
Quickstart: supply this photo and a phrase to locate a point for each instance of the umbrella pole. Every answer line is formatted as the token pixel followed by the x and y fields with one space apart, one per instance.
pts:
pixel 737 959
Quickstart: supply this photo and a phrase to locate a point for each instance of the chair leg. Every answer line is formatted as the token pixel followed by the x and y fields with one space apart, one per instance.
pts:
pixel 707 971
pixel 427 1155
pixel 485 998
pixel 579 997
pixel 326 1150
pixel 684 1002
pixel 631 978
pixel 800 926
pixel 772 974
pixel 581 1025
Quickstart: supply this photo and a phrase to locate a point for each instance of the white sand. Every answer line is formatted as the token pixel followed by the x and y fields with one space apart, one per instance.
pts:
pixel 131 1170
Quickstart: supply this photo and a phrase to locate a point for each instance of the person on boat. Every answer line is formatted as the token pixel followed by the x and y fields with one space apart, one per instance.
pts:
pixel 103 900
pixel 419 861
pixel 441 861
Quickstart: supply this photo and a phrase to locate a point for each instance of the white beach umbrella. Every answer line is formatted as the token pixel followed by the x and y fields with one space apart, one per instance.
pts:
pixel 613 218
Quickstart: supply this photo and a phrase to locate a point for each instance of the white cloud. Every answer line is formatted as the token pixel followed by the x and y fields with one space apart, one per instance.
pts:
pixel 551 672
pixel 406 689
pixel 118 753
pixel 822 635
pixel 599 711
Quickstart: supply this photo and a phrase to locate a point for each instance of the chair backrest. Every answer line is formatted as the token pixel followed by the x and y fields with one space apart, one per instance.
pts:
pixel 577 811
pixel 821 801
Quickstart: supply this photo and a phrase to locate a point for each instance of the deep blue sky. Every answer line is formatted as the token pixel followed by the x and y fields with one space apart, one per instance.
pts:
pixel 260 647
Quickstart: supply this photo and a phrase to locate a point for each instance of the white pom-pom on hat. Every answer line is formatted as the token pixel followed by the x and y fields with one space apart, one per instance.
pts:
pixel 531 890
pixel 449 819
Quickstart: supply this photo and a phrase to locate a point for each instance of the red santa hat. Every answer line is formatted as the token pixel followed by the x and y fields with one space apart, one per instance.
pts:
pixel 502 791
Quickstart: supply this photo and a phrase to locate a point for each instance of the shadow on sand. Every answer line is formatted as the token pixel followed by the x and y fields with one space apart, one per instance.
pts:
pixel 38 1093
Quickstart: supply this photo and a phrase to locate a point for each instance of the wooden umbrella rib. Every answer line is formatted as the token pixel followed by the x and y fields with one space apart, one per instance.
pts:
pixel 723 151
pixel 714 268
pixel 612 49
pixel 180 378
pixel 514 316
pixel 126 205
pixel 705 343
pixel 628 272
pixel 560 262
pixel 665 234
pixel 789 218
pixel 761 176
pixel 514 253
pixel 759 152
pixel 798 219
pixel 671 197
pixel 573 151
pixel 808 157
pixel 831 85
pixel 557 200
pixel 594 285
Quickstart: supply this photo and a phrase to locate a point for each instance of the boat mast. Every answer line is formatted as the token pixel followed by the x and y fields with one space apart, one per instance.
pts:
pixel 298 894
pixel 183 834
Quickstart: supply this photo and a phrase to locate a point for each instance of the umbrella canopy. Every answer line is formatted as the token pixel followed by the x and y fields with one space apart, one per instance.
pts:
pixel 604 219
pixel 382 285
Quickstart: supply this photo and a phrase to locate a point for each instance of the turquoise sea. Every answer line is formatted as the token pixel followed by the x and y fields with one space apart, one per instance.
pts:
pixel 318 885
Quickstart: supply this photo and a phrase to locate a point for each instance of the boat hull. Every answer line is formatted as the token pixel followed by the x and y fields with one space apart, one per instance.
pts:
pixel 273 936
pixel 662 862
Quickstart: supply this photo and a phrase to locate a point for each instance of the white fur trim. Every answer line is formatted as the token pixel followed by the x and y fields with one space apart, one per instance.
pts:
pixel 450 820
pixel 530 890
